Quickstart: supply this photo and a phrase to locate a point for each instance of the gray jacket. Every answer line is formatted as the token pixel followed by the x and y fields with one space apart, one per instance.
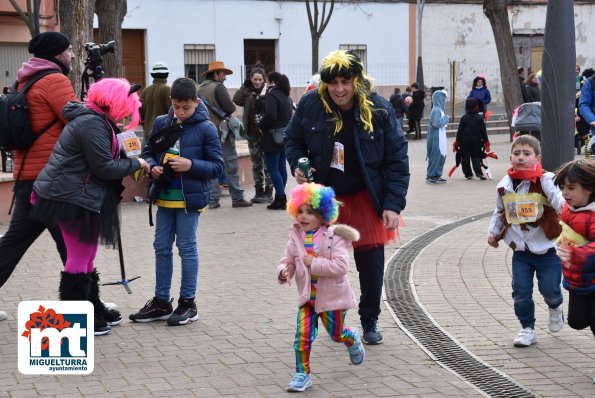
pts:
pixel 82 165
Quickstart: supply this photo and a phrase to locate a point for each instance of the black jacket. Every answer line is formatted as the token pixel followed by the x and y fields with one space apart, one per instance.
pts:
pixel 472 134
pixel 398 102
pixel 382 154
pixel 82 164
pixel 278 108
pixel 416 109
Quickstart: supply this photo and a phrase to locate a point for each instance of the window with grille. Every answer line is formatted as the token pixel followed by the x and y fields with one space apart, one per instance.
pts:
pixel 358 49
pixel 196 60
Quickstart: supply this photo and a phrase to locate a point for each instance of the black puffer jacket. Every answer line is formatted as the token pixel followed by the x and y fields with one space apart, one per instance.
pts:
pixel 278 108
pixel 81 164
pixel 382 154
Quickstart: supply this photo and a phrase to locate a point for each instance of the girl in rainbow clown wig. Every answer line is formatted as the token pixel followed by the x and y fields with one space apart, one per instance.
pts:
pixel 317 255
pixel 79 188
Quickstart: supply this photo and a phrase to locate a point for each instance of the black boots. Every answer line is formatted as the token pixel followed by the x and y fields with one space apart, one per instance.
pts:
pixel 280 203
pixel 259 196
pixel 110 317
pixel 74 287
pixel 262 195
pixel 85 286
pixel 268 193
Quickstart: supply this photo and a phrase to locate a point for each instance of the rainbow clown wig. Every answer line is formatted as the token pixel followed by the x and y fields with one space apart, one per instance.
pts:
pixel 321 198
pixel 115 97
pixel 345 64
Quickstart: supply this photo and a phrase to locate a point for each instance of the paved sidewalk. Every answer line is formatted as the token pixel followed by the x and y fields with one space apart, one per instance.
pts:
pixel 242 343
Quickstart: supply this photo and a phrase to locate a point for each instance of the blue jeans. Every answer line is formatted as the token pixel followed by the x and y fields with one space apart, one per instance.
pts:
pixel 276 165
pixel 548 268
pixel 178 225
pixel 230 158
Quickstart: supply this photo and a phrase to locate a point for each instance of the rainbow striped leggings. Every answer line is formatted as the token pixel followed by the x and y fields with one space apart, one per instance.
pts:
pixel 307 330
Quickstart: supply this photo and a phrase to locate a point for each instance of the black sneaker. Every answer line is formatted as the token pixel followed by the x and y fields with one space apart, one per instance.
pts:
pixel 112 317
pixel 154 310
pixel 186 312
pixel 101 327
pixel 372 335
pixel 481 177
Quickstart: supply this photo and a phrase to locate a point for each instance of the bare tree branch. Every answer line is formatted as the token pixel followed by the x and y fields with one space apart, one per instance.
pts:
pixel 330 13
pixel 317 26
pixel 310 20
pixel 26 17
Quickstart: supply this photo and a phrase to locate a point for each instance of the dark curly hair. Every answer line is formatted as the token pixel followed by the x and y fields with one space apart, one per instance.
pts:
pixel 478 78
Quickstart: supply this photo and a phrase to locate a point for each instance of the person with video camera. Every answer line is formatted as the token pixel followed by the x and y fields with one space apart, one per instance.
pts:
pixel 52 53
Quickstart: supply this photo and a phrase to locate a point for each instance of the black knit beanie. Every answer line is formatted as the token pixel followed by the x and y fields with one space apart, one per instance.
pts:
pixel 48 44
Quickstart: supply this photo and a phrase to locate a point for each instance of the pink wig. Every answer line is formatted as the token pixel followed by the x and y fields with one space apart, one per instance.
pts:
pixel 111 96
pixel 318 196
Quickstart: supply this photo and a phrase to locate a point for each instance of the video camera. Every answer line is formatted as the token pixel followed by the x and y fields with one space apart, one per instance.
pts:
pixel 95 54
pixel 93 63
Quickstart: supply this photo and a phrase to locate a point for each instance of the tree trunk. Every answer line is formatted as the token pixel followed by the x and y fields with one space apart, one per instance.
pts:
pixel 110 14
pixel 318 26
pixel 497 13
pixel 76 22
pixel 315 44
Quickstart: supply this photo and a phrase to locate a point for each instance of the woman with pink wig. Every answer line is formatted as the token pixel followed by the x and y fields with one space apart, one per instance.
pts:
pixel 79 188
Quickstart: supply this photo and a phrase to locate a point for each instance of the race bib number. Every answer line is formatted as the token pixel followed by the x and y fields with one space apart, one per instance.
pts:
pixel 523 208
pixel 129 143
pixel 338 161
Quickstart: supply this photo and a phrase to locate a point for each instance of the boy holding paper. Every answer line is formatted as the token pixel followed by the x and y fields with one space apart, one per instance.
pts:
pixel 185 155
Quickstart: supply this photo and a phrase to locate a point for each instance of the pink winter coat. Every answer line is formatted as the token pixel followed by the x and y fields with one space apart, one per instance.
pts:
pixel 331 266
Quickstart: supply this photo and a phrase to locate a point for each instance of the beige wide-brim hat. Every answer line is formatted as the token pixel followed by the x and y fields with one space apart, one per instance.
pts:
pixel 217 66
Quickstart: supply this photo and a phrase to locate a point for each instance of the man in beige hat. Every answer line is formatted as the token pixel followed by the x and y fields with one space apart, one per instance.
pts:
pixel 155 98
pixel 217 96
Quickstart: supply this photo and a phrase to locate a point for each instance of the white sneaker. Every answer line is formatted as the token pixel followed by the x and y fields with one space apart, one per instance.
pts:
pixel 3 315
pixel 525 338
pixel 556 319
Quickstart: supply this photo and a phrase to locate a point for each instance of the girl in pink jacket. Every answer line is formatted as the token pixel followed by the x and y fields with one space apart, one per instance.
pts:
pixel 317 256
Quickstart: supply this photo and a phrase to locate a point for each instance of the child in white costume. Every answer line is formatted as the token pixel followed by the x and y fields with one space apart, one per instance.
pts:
pixel 526 218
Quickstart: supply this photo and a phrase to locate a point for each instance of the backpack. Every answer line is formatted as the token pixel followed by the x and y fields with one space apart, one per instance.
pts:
pixel 15 124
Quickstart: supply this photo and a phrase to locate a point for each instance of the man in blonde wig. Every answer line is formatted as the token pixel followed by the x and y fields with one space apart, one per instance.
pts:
pixel 355 145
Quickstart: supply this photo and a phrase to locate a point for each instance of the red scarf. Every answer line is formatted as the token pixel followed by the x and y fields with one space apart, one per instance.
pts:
pixel 531 173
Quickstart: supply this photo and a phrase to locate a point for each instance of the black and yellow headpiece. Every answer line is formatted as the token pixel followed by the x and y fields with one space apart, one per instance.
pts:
pixel 345 64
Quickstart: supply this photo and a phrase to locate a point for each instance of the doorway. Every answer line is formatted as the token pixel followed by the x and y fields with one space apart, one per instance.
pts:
pixel 529 51
pixel 133 55
pixel 259 50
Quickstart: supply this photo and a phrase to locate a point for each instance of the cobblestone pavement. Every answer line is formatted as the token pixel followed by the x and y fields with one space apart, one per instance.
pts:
pixel 241 346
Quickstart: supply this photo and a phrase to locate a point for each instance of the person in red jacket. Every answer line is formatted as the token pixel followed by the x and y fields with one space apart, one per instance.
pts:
pixel 46 99
pixel 576 180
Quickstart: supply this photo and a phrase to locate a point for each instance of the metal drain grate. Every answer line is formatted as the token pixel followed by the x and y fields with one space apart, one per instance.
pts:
pixel 447 351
